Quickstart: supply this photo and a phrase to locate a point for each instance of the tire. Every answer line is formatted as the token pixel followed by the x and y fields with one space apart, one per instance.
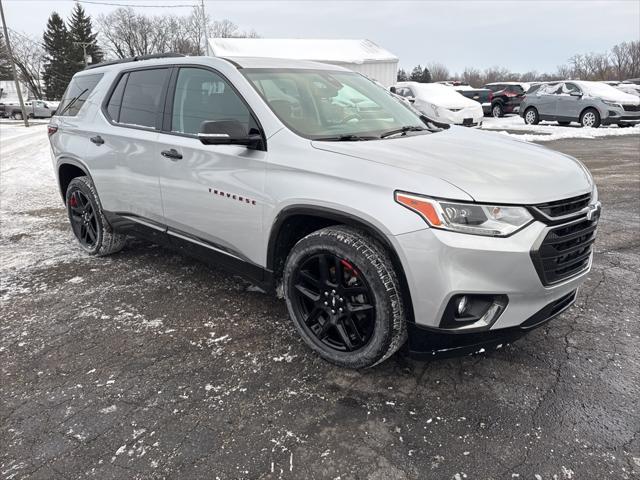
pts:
pixel 17 115
pixel 590 118
pixel 89 225
pixel 564 124
pixel 531 116
pixel 373 321
pixel 497 111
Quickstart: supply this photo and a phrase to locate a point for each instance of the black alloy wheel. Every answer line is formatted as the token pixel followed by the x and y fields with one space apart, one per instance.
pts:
pixel 84 220
pixel 335 302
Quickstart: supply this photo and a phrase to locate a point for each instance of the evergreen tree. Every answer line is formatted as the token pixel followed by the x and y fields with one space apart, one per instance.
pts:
pixel 5 64
pixel 416 74
pixel 80 32
pixel 57 69
pixel 426 76
pixel 402 75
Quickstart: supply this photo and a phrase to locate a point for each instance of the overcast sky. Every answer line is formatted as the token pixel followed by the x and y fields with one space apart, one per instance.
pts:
pixel 520 35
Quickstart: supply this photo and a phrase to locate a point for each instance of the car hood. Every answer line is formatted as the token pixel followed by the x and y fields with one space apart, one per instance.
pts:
pixel 490 167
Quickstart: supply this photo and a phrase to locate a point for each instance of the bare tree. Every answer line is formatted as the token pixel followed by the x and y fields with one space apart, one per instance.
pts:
pixel 472 76
pixel 439 72
pixel 126 33
pixel 28 56
pixel 497 74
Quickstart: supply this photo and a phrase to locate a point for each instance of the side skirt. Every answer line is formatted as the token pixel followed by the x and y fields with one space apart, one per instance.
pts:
pixel 191 246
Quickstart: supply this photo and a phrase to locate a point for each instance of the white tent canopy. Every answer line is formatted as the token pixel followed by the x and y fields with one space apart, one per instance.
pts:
pixel 362 56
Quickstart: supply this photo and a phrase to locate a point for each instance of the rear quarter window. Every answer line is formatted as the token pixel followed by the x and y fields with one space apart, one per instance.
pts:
pixel 77 93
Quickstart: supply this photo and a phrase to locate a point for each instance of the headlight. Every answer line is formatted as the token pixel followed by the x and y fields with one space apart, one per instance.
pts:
pixel 473 218
pixel 612 104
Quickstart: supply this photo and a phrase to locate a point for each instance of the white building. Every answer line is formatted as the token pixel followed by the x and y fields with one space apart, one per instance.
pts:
pixel 362 56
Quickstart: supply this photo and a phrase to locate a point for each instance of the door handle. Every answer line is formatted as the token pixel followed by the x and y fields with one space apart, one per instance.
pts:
pixel 172 154
pixel 98 140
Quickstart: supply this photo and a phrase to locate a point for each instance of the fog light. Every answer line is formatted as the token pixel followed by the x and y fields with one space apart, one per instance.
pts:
pixel 463 303
pixel 471 311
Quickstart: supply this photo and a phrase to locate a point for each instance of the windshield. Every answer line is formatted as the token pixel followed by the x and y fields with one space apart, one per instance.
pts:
pixel 332 105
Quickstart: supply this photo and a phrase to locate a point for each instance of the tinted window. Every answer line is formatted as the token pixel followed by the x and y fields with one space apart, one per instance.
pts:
pixel 515 89
pixel 329 105
pixel 77 93
pixel 113 108
pixel 142 97
pixel 202 95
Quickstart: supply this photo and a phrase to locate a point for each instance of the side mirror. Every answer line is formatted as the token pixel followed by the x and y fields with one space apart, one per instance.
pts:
pixel 411 99
pixel 229 132
pixel 392 89
pixel 575 93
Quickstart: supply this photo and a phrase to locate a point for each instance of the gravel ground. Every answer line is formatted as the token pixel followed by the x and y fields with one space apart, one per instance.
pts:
pixel 150 365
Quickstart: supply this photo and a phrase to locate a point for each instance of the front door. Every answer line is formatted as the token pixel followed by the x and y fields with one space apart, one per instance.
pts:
pixel 212 194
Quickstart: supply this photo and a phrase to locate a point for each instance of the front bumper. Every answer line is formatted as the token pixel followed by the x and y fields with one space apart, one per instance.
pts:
pixel 439 265
pixel 426 343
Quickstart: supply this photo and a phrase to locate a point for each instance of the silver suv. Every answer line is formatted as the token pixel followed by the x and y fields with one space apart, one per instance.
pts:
pixel 379 228
pixel 590 103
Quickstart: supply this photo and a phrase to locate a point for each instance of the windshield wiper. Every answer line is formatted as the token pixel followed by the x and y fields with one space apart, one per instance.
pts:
pixel 73 101
pixel 402 131
pixel 346 138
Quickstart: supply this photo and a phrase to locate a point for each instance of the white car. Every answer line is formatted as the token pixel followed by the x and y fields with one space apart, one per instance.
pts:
pixel 441 103
pixel 630 88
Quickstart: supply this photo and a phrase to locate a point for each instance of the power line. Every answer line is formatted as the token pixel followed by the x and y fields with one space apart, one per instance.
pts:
pixel 91 2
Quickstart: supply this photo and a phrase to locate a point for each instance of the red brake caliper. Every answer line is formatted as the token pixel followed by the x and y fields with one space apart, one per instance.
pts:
pixel 73 202
pixel 350 268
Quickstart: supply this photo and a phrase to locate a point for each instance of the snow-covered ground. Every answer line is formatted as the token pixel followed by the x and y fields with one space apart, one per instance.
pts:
pixel 546 131
pixel 30 206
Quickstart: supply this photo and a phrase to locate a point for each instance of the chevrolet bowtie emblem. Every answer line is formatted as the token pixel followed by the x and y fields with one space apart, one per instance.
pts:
pixel 594 211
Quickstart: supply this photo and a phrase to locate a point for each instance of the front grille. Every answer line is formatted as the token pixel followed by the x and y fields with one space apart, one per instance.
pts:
pixel 631 108
pixel 565 251
pixel 568 206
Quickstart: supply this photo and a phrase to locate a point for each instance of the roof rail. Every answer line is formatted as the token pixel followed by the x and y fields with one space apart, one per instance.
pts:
pixel 135 59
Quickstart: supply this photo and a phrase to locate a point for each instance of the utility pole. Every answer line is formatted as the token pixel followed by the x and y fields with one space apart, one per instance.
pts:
pixel 84 46
pixel 204 29
pixel 13 68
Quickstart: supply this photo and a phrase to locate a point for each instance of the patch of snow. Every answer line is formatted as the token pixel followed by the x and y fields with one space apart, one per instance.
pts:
pixel 109 409
pixel 284 358
pixel 75 280
pixel 546 131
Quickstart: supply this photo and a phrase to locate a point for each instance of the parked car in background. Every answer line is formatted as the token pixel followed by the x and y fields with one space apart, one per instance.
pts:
pixel 441 104
pixel 630 88
pixel 507 97
pixel 590 103
pixel 34 108
pixel 483 96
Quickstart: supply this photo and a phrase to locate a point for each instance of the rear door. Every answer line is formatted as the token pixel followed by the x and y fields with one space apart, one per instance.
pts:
pixel 568 107
pixel 212 194
pixel 545 100
pixel 123 144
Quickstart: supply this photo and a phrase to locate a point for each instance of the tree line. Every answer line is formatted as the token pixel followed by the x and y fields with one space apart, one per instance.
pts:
pixel 45 65
pixel 619 63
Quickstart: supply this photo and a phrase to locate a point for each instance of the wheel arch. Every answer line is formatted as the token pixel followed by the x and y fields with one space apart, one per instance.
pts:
pixel 67 169
pixel 589 107
pixel 297 221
